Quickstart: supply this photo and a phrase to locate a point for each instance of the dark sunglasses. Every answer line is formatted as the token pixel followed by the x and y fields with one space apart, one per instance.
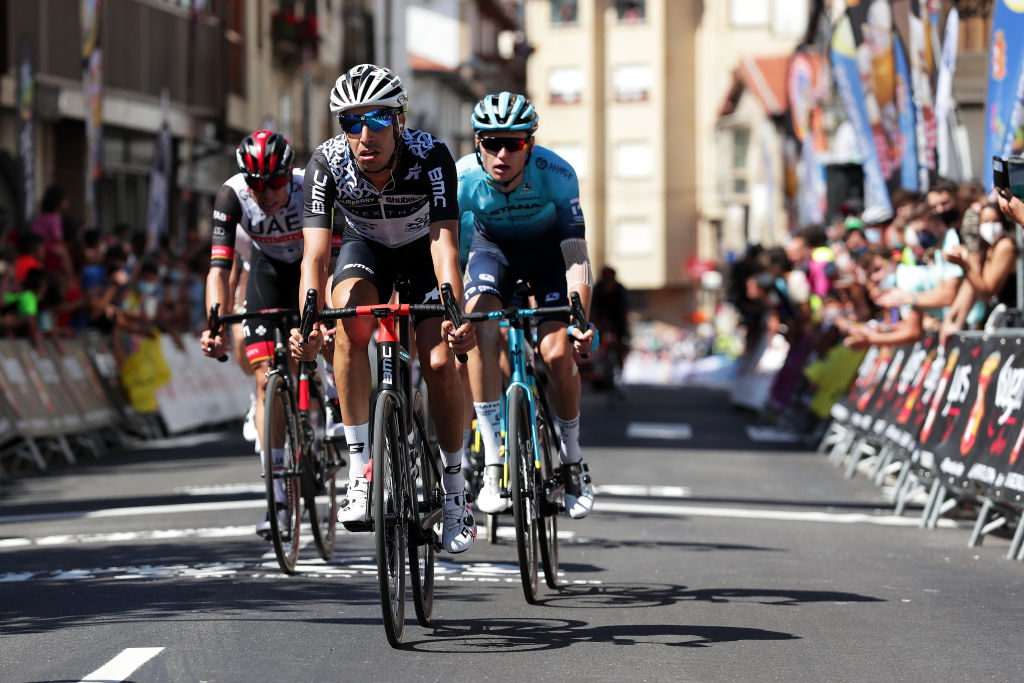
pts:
pixel 260 184
pixel 495 145
pixel 379 119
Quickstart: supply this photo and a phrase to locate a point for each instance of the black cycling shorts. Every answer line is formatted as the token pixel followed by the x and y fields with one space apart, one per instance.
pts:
pixel 382 266
pixel 494 270
pixel 271 284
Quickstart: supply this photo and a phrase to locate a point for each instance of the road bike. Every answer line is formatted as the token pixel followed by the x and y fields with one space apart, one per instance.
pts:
pixel 405 497
pixel 529 477
pixel 295 418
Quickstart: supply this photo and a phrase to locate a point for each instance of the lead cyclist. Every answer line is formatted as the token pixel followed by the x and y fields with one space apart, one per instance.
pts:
pixel 520 202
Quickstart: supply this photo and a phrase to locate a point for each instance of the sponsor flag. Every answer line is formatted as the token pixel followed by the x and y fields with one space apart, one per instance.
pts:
pixel 1004 105
pixel 953 161
pixel 159 173
pixel 863 110
pixel 922 45
pixel 804 85
pixel 907 116
pixel 26 130
pixel 92 84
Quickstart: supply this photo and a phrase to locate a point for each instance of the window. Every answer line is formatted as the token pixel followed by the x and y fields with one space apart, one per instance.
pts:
pixel 630 10
pixel 789 18
pixel 749 13
pixel 634 237
pixel 634 160
pixel 564 12
pixel 565 84
pixel 632 82
pixel 740 142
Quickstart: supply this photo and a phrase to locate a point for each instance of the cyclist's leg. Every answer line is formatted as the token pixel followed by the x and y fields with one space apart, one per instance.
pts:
pixel 485 274
pixel 352 375
pixel 238 281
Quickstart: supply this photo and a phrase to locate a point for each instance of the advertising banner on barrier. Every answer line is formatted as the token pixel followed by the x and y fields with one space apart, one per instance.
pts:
pixel 34 412
pixel 989 448
pixel 947 414
pixel 83 385
pixel 200 391
pixel 42 360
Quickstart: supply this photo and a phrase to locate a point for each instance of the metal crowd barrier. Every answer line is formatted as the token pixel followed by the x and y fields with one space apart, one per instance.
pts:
pixel 946 422
pixel 63 400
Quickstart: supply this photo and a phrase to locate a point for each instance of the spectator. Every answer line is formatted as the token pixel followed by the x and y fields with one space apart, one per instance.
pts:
pixel 49 225
pixel 31 254
pixel 608 309
pixel 21 306
pixel 104 281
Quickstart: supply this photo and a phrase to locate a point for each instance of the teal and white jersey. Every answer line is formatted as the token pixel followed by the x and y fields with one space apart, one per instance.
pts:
pixel 545 207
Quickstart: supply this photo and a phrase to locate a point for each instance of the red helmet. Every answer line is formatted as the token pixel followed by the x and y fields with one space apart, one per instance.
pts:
pixel 265 158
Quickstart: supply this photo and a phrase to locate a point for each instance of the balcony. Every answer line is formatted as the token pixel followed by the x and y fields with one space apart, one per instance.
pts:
pixel 291 34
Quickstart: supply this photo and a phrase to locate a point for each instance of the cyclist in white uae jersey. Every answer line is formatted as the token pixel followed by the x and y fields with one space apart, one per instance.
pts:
pixel 521 204
pixel 264 199
pixel 396 191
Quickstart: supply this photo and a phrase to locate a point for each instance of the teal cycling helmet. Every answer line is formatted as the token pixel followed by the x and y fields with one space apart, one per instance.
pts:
pixel 504 111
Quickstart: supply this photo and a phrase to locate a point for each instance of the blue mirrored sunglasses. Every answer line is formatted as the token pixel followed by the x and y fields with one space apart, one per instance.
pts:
pixel 379 119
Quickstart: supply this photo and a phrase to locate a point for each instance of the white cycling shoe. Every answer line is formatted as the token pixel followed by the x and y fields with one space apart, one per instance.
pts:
pixel 579 492
pixel 489 498
pixel 249 432
pixel 354 511
pixel 283 524
pixel 459 527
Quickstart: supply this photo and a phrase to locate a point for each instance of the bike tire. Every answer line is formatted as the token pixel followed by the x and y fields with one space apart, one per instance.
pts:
pixel 319 486
pixel 548 491
pixel 389 514
pixel 279 417
pixel 426 486
pixel 522 479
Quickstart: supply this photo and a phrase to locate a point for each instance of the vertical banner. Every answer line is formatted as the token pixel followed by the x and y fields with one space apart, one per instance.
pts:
pixel 159 174
pixel 952 163
pixel 1004 105
pixel 803 85
pixel 26 101
pixel 907 117
pixel 865 118
pixel 923 26
pixel 92 84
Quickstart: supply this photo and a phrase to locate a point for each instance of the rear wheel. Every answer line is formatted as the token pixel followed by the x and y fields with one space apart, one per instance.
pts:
pixel 319 488
pixel 282 478
pixel 521 488
pixel 548 492
pixel 429 496
pixel 390 515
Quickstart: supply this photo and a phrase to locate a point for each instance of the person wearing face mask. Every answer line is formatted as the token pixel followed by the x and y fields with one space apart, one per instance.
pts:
pixel 991 282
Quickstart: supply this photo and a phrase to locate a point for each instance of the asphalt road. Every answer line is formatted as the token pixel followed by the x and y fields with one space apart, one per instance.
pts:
pixel 710 556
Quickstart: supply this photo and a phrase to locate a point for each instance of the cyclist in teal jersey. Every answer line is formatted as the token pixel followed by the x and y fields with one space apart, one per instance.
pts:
pixel 521 217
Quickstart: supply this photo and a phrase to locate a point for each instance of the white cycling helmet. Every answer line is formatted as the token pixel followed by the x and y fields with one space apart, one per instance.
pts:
pixel 504 111
pixel 368 85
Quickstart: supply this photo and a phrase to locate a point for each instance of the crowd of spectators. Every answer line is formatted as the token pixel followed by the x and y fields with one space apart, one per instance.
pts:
pixel 945 261
pixel 59 280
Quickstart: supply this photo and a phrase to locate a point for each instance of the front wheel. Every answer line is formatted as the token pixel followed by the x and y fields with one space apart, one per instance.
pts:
pixel 281 474
pixel 390 514
pixel 429 498
pixel 549 489
pixel 522 479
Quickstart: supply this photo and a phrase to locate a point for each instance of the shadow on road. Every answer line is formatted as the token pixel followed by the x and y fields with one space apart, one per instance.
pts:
pixel 484 636
pixel 653 595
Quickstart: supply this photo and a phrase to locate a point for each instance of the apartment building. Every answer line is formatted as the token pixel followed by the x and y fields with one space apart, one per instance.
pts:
pixel 630 92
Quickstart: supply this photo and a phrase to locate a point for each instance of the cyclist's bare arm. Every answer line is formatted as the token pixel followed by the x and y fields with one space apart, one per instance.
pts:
pixel 580 279
pixel 316 259
pixel 444 250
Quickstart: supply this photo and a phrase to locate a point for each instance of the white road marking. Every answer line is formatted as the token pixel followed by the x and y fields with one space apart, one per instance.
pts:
pixel 772 515
pixel 659 430
pixel 642 490
pixel 139 510
pixel 121 667
pixel 221 490
pixel 770 435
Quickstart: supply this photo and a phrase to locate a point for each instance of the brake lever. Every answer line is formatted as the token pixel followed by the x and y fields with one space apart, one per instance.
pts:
pixel 452 312
pixel 215 329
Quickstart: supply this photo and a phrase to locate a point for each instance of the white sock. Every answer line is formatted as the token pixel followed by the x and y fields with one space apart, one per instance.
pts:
pixel 569 452
pixel 330 388
pixel 488 418
pixel 357 436
pixel 467 435
pixel 452 479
